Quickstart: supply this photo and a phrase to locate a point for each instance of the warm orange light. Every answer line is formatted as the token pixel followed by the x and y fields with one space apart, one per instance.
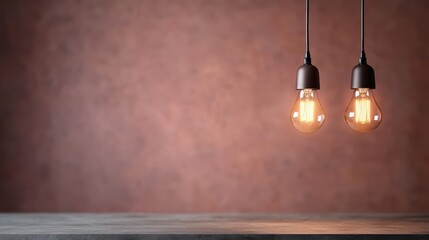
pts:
pixel 307 113
pixel 362 113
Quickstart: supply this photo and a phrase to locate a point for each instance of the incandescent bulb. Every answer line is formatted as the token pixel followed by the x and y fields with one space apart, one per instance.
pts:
pixel 307 113
pixel 362 113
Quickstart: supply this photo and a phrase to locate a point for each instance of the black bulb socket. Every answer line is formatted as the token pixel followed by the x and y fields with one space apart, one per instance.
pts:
pixel 363 75
pixel 307 76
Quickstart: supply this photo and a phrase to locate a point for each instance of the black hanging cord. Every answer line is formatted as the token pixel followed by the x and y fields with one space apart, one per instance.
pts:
pixel 362 59
pixel 307 58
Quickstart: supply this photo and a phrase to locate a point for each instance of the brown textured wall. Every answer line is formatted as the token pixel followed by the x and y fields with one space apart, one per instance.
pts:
pixel 182 106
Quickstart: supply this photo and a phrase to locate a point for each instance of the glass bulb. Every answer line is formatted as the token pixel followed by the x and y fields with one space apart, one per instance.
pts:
pixel 307 113
pixel 362 113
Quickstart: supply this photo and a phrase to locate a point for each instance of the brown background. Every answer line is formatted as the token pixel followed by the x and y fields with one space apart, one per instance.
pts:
pixel 182 106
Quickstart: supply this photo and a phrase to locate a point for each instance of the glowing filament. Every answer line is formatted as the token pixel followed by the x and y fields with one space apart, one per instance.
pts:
pixel 306 111
pixel 363 111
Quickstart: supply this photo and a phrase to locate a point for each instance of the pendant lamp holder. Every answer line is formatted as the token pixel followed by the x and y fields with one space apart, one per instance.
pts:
pixel 307 75
pixel 363 75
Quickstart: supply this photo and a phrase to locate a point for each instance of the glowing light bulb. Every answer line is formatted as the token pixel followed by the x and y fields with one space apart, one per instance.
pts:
pixel 307 113
pixel 362 113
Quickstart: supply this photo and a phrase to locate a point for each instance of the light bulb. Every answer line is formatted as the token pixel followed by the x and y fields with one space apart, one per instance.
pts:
pixel 362 113
pixel 307 113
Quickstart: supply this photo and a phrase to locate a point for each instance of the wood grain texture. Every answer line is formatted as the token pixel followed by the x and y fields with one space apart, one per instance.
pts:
pixel 212 224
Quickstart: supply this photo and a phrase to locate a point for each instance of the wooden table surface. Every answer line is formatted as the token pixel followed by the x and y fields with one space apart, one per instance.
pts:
pixel 213 226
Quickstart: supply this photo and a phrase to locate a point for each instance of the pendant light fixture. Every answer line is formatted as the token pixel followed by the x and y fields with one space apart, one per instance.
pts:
pixel 307 113
pixel 362 113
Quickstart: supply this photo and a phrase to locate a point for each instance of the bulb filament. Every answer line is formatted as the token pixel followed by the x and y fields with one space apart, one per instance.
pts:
pixel 363 111
pixel 306 111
